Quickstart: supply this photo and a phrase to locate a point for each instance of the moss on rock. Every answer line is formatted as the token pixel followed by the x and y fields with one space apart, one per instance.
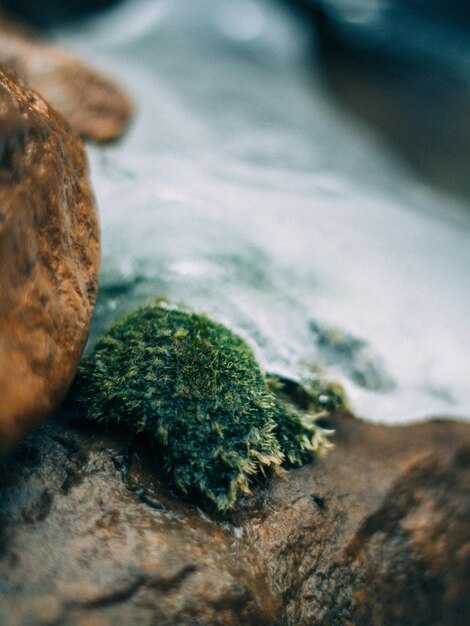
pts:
pixel 196 388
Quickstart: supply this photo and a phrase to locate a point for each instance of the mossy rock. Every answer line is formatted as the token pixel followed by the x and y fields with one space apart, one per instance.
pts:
pixel 196 388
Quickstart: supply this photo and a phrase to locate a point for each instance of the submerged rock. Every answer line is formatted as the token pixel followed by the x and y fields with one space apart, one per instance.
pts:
pixel 49 257
pixel 94 106
pixel 375 533
pixel 352 356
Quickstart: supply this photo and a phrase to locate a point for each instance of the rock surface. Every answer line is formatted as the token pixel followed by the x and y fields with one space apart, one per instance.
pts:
pixel 377 533
pixel 49 257
pixel 94 106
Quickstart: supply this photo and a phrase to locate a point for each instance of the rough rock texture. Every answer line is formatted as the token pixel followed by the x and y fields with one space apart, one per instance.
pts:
pixel 94 106
pixel 49 257
pixel 377 533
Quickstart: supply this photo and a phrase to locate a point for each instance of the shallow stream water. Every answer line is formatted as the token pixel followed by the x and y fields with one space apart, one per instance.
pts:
pixel 244 192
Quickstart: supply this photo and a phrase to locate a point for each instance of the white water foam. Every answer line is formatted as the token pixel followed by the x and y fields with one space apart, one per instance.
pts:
pixel 242 191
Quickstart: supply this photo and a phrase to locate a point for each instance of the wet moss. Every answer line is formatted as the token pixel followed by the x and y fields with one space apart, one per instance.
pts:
pixel 196 388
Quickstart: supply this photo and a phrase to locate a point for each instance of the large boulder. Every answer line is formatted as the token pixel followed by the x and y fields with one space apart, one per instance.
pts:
pixel 49 258
pixel 376 533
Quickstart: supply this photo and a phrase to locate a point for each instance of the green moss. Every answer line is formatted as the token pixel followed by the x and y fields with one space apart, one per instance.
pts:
pixel 196 388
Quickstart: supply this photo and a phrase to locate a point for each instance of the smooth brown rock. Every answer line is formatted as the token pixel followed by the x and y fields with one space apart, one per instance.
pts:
pixel 49 257
pixel 94 106
pixel 375 534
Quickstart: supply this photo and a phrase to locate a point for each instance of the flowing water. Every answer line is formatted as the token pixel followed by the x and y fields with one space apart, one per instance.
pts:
pixel 242 191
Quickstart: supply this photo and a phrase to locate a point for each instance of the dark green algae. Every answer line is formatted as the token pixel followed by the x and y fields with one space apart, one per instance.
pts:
pixel 197 390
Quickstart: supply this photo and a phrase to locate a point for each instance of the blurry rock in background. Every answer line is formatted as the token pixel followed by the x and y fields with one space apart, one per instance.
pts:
pixel 50 12
pixel 404 67
pixel 94 106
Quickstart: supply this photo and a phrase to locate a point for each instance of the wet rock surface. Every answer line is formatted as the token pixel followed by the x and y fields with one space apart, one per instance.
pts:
pixel 94 106
pixel 49 257
pixel 376 533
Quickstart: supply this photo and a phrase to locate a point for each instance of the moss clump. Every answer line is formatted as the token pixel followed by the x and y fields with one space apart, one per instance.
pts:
pixel 197 389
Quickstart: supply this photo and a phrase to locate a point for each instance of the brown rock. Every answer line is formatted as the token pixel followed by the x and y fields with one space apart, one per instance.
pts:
pixel 94 106
pixel 376 533
pixel 49 257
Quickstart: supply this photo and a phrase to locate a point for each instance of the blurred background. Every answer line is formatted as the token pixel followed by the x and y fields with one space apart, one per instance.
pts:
pixel 401 65
pixel 298 169
pixel 404 66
